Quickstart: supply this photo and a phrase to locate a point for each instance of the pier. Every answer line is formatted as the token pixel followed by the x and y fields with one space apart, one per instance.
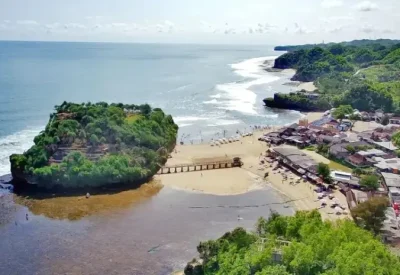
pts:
pixel 201 166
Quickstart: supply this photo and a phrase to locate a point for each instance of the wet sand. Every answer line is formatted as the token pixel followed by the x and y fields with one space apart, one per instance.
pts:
pixel 249 177
pixel 157 235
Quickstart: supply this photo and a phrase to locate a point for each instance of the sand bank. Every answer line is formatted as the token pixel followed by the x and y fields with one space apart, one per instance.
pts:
pixel 307 86
pixel 241 180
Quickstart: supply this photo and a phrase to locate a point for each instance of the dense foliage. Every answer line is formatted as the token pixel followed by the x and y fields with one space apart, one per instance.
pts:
pixel 370 214
pixel 302 244
pixel 324 172
pixel 363 42
pixel 364 75
pixel 370 182
pixel 297 101
pixel 97 144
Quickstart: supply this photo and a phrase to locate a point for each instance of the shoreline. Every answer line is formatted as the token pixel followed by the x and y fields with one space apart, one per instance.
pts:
pixel 250 177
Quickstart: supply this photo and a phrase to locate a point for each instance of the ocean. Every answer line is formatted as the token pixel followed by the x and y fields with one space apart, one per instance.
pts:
pixel 210 90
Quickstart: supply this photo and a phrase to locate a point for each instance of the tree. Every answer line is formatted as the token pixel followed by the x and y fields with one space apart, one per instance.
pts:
pixel 307 245
pixel 396 139
pixel 351 149
pixel 353 118
pixel 94 140
pixel 342 111
pixel 385 120
pixel 322 148
pixel 324 172
pixel 371 182
pixel 357 171
pixel 370 214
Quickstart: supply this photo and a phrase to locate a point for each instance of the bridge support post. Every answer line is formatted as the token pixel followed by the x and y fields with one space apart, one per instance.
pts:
pixel 195 168
pixel 169 170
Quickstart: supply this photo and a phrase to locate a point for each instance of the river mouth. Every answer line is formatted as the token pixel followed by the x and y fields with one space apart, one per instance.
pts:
pixel 150 230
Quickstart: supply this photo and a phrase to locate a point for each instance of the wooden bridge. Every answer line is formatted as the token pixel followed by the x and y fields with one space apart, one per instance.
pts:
pixel 192 167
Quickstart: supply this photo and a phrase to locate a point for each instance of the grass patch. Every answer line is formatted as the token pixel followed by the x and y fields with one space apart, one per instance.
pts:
pixel 333 165
pixel 131 118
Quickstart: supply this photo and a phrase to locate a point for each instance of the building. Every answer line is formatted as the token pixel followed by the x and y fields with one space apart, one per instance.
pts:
pixel 357 160
pixel 386 146
pixel 394 120
pixel 339 150
pixel 392 182
pixel 296 159
pixel 345 178
pixel 387 165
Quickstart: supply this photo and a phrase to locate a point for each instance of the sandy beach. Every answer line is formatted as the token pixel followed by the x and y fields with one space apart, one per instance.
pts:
pixel 307 86
pixel 250 177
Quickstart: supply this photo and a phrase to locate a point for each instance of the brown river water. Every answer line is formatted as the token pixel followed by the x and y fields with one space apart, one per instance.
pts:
pixel 150 230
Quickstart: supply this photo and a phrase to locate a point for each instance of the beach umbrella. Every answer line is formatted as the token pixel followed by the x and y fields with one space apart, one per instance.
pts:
pixel 323 202
pixel 320 195
pixel 212 144
pixel 338 210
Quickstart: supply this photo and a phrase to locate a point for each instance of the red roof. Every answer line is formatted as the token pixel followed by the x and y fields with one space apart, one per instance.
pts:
pixel 356 159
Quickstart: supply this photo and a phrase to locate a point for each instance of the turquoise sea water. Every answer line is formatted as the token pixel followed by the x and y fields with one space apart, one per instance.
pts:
pixel 207 88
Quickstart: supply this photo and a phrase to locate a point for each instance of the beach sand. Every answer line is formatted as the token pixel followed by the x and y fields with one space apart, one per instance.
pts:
pixel 307 86
pixel 234 181
pixel 361 126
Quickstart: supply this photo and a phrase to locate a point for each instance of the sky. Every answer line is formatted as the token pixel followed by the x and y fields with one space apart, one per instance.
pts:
pixel 201 21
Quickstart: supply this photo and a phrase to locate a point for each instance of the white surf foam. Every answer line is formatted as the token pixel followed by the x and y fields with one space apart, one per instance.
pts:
pixel 188 118
pixel 212 101
pixel 16 143
pixel 216 96
pixel 224 122
pixel 238 95
pixel 181 125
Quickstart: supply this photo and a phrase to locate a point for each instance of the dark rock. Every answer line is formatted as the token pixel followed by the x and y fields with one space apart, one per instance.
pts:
pixel 194 267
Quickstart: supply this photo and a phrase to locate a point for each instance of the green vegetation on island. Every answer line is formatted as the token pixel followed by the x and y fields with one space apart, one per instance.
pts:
pixel 299 244
pixel 92 145
pixel 363 75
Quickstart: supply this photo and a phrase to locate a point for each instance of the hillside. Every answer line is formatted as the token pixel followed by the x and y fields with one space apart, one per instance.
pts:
pixel 300 244
pixel 343 72
pixel 356 43
pixel 92 145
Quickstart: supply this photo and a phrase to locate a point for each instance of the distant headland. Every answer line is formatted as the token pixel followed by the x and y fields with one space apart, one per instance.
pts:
pixel 362 73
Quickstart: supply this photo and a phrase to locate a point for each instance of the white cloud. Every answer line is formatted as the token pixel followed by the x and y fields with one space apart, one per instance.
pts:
pixel 368 29
pixel 301 30
pixel 52 26
pixel 6 21
pixel 366 6
pixel 74 26
pixel 331 3
pixel 388 31
pixel 336 29
pixel 27 22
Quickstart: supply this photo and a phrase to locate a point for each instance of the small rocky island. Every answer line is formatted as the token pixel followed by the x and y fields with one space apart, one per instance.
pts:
pixel 93 145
